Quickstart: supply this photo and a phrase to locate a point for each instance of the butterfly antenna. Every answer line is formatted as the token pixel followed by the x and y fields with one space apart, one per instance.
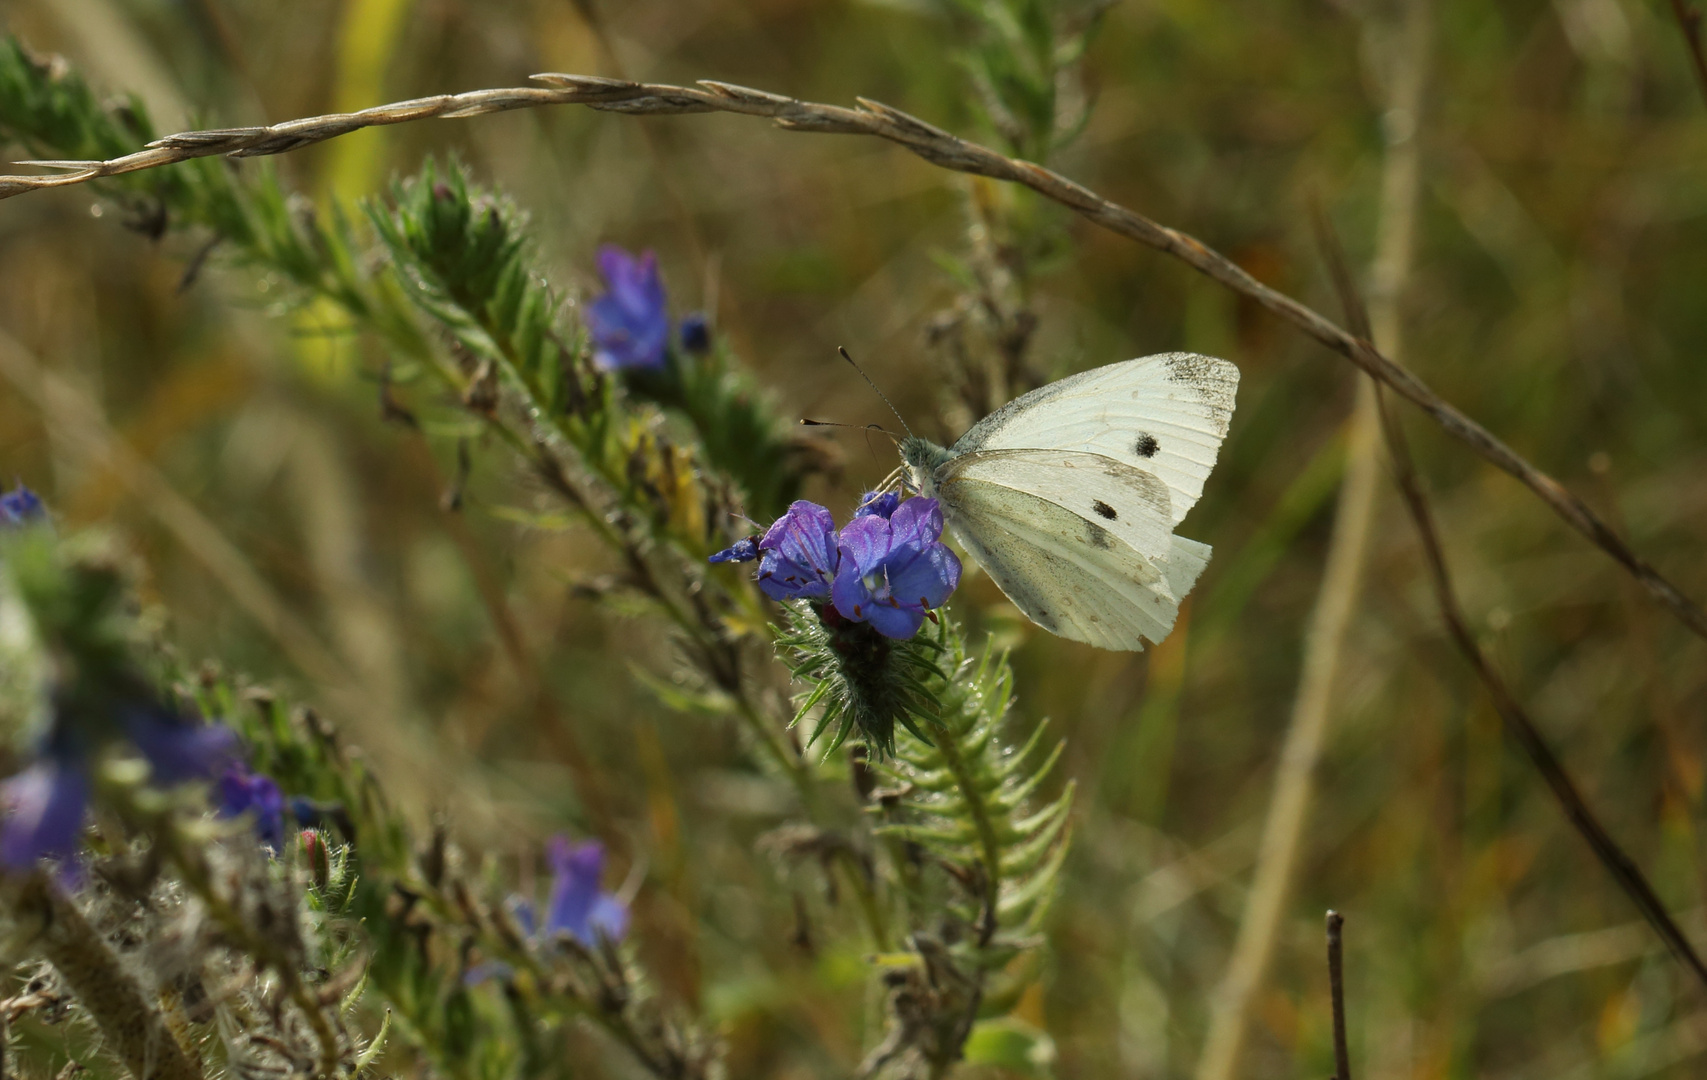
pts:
pixel 867 428
pixel 875 388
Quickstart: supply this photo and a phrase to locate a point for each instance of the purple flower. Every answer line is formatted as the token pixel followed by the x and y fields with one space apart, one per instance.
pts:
pixel 44 811
pixel 45 803
pixel 880 503
pixel 19 506
pixel 176 749
pixel 579 906
pixel 319 815
pixel 799 554
pixel 243 791
pixel 695 333
pixel 740 551
pixel 894 570
pixel 629 325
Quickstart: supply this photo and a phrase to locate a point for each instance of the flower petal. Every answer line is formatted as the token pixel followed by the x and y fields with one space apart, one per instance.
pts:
pixel 866 542
pixel 44 818
pixel 740 551
pixel 244 792
pixel 629 323
pixel 917 521
pixel 800 555
pixel 176 749
pixel 895 622
pixel 849 594
pixel 609 917
pixel 928 579
pixel 576 869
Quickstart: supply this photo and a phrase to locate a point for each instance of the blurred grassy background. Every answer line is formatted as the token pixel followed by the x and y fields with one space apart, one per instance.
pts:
pixel 1557 296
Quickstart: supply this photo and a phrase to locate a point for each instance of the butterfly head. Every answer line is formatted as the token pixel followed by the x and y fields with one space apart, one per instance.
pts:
pixel 922 459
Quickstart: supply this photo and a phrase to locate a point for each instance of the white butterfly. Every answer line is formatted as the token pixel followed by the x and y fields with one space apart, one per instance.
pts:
pixel 1068 496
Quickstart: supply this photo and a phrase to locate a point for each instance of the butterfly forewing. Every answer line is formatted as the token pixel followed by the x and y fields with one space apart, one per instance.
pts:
pixel 1164 415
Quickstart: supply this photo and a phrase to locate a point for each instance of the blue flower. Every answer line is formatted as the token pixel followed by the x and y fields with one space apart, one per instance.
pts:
pixel 740 551
pixel 46 802
pixel 894 570
pixel 695 333
pixel 629 325
pixel 19 506
pixel 44 807
pixel 799 554
pixel 579 906
pixel 320 815
pixel 243 791
pixel 880 503
pixel 176 749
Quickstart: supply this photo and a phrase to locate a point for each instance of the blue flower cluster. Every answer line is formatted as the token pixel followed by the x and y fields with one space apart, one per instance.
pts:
pixel 45 803
pixel 630 322
pixel 887 567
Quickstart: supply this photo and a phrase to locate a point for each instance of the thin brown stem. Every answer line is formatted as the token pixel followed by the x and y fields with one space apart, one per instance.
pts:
pixel 1336 993
pixel 937 147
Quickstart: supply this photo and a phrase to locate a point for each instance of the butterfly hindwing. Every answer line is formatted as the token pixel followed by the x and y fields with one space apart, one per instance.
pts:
pixel 1165 415
pixel 1112 500
pixel 1068 574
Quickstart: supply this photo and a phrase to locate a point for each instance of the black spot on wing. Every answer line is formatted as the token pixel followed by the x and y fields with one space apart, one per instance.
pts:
pixel 1146 446
pixel 1104 509
pixel 1098 537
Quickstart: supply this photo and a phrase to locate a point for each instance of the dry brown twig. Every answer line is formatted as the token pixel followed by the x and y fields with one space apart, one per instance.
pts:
pixel 935 146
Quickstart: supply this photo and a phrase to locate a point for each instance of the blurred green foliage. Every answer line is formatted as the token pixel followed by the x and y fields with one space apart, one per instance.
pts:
pixel 1562 243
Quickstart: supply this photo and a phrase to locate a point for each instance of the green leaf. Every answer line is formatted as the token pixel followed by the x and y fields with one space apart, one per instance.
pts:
pixel 1011 1044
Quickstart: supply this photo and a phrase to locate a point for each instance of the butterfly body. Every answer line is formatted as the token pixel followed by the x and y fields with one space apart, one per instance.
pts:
pixel 1068 496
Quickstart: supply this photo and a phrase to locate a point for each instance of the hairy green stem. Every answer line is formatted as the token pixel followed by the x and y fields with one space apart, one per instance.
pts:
pixel 989 844
pixel 132 1025
pixel 199 880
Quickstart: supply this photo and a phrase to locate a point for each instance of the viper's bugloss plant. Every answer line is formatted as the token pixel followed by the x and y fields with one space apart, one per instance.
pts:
pixel 657 439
